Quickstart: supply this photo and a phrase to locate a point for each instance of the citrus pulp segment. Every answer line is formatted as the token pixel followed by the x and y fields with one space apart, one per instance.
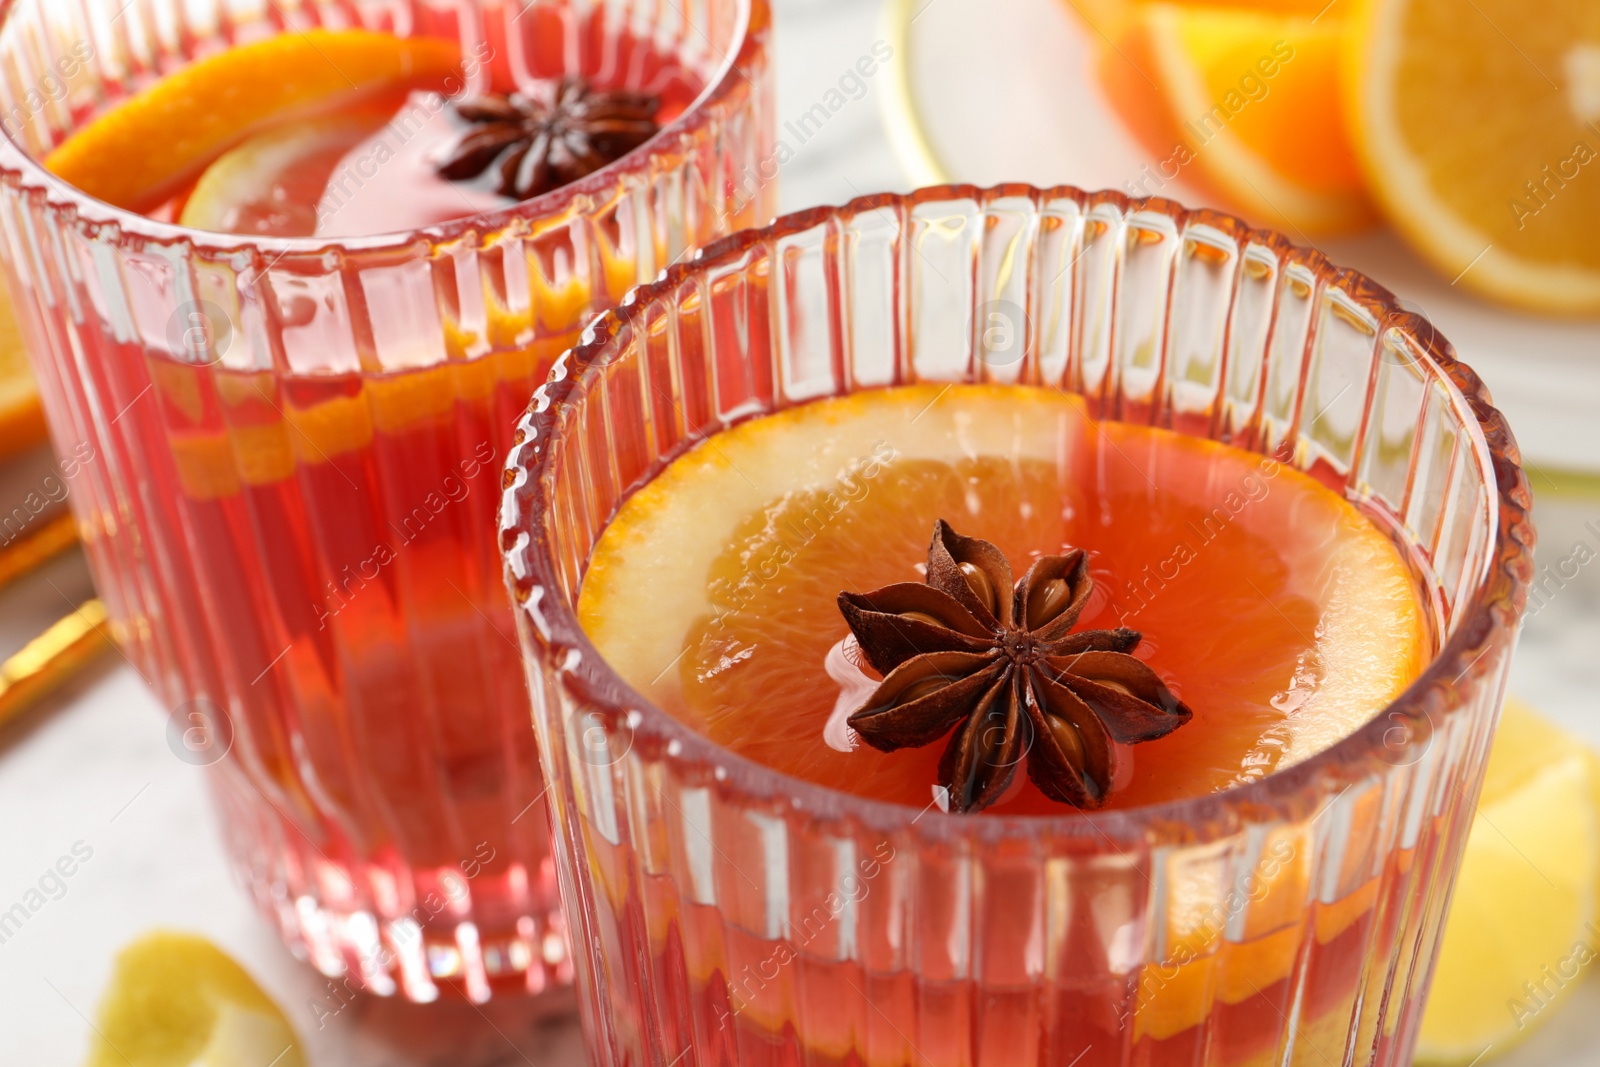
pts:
pixel 1479 130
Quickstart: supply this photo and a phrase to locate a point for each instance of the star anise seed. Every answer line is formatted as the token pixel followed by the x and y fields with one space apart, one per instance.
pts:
pixel 1004 675
pixel 543 144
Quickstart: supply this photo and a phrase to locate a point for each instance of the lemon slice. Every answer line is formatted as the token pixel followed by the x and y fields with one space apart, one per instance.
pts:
pixel 1519 931
pixel 142 152
pixel 271 184
pixel 1245 104
pixel 176 1000
pixel 1479 127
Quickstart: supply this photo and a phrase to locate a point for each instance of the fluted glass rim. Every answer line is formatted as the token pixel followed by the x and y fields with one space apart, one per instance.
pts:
pixel 18 165
pixel 1488 619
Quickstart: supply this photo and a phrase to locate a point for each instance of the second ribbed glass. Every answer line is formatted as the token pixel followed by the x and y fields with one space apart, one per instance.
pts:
pixel 290 456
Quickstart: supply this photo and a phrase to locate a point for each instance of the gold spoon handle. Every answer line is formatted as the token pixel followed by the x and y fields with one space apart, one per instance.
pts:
pixel 69 645
pixel 52 658
pixel 59 533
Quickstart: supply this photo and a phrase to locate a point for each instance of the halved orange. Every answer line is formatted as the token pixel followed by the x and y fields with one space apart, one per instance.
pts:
pixel 1479 128
pixel 1245 105
pixel 1111 17
pixel 142 152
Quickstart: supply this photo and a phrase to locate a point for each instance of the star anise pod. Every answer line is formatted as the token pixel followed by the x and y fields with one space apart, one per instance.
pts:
pixel 996 661
pixel 544 144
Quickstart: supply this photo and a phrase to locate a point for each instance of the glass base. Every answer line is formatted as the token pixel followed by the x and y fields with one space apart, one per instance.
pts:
pixel 488 927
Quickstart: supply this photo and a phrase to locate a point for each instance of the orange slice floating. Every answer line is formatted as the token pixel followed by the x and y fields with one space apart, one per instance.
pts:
pixel 143 152
pixel 714 589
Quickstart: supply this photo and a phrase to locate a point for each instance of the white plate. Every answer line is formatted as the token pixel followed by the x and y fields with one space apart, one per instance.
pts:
pixel 1001 90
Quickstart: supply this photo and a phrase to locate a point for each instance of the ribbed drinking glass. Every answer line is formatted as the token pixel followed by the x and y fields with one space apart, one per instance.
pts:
pixel 725 914
pixel 290 456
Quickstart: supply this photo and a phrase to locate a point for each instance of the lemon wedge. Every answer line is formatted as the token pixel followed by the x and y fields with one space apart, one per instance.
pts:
pixel 177 1000
pixel 1521 927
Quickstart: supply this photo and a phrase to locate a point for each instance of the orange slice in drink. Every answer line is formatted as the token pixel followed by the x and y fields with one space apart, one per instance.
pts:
pixel 143 152
pixel 21 419
pixel 1479 126
pixel 1244 104
pixel 1280 615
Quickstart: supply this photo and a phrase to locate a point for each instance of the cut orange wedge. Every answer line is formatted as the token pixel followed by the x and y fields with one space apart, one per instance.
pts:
pixel 21 420
pixel 1479 126
pixel 1245 105
pixel 1112 17
pixel 143 152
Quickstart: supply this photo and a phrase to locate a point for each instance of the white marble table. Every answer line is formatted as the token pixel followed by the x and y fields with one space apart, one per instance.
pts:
pixel 93 764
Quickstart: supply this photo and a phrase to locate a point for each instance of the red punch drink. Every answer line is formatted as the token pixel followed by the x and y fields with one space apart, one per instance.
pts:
pixel 297 336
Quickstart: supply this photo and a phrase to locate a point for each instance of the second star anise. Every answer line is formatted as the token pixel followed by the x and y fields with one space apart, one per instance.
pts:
pixel 544 144
pixel 996 661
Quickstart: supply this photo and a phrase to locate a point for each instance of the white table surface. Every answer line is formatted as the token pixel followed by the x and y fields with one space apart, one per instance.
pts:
pixel 93 765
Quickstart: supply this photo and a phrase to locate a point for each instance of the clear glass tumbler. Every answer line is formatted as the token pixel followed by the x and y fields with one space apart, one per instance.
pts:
pixel 291 454
pixel 726 914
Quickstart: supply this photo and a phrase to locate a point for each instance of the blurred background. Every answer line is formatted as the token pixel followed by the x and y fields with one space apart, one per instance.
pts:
pixel 1448 148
